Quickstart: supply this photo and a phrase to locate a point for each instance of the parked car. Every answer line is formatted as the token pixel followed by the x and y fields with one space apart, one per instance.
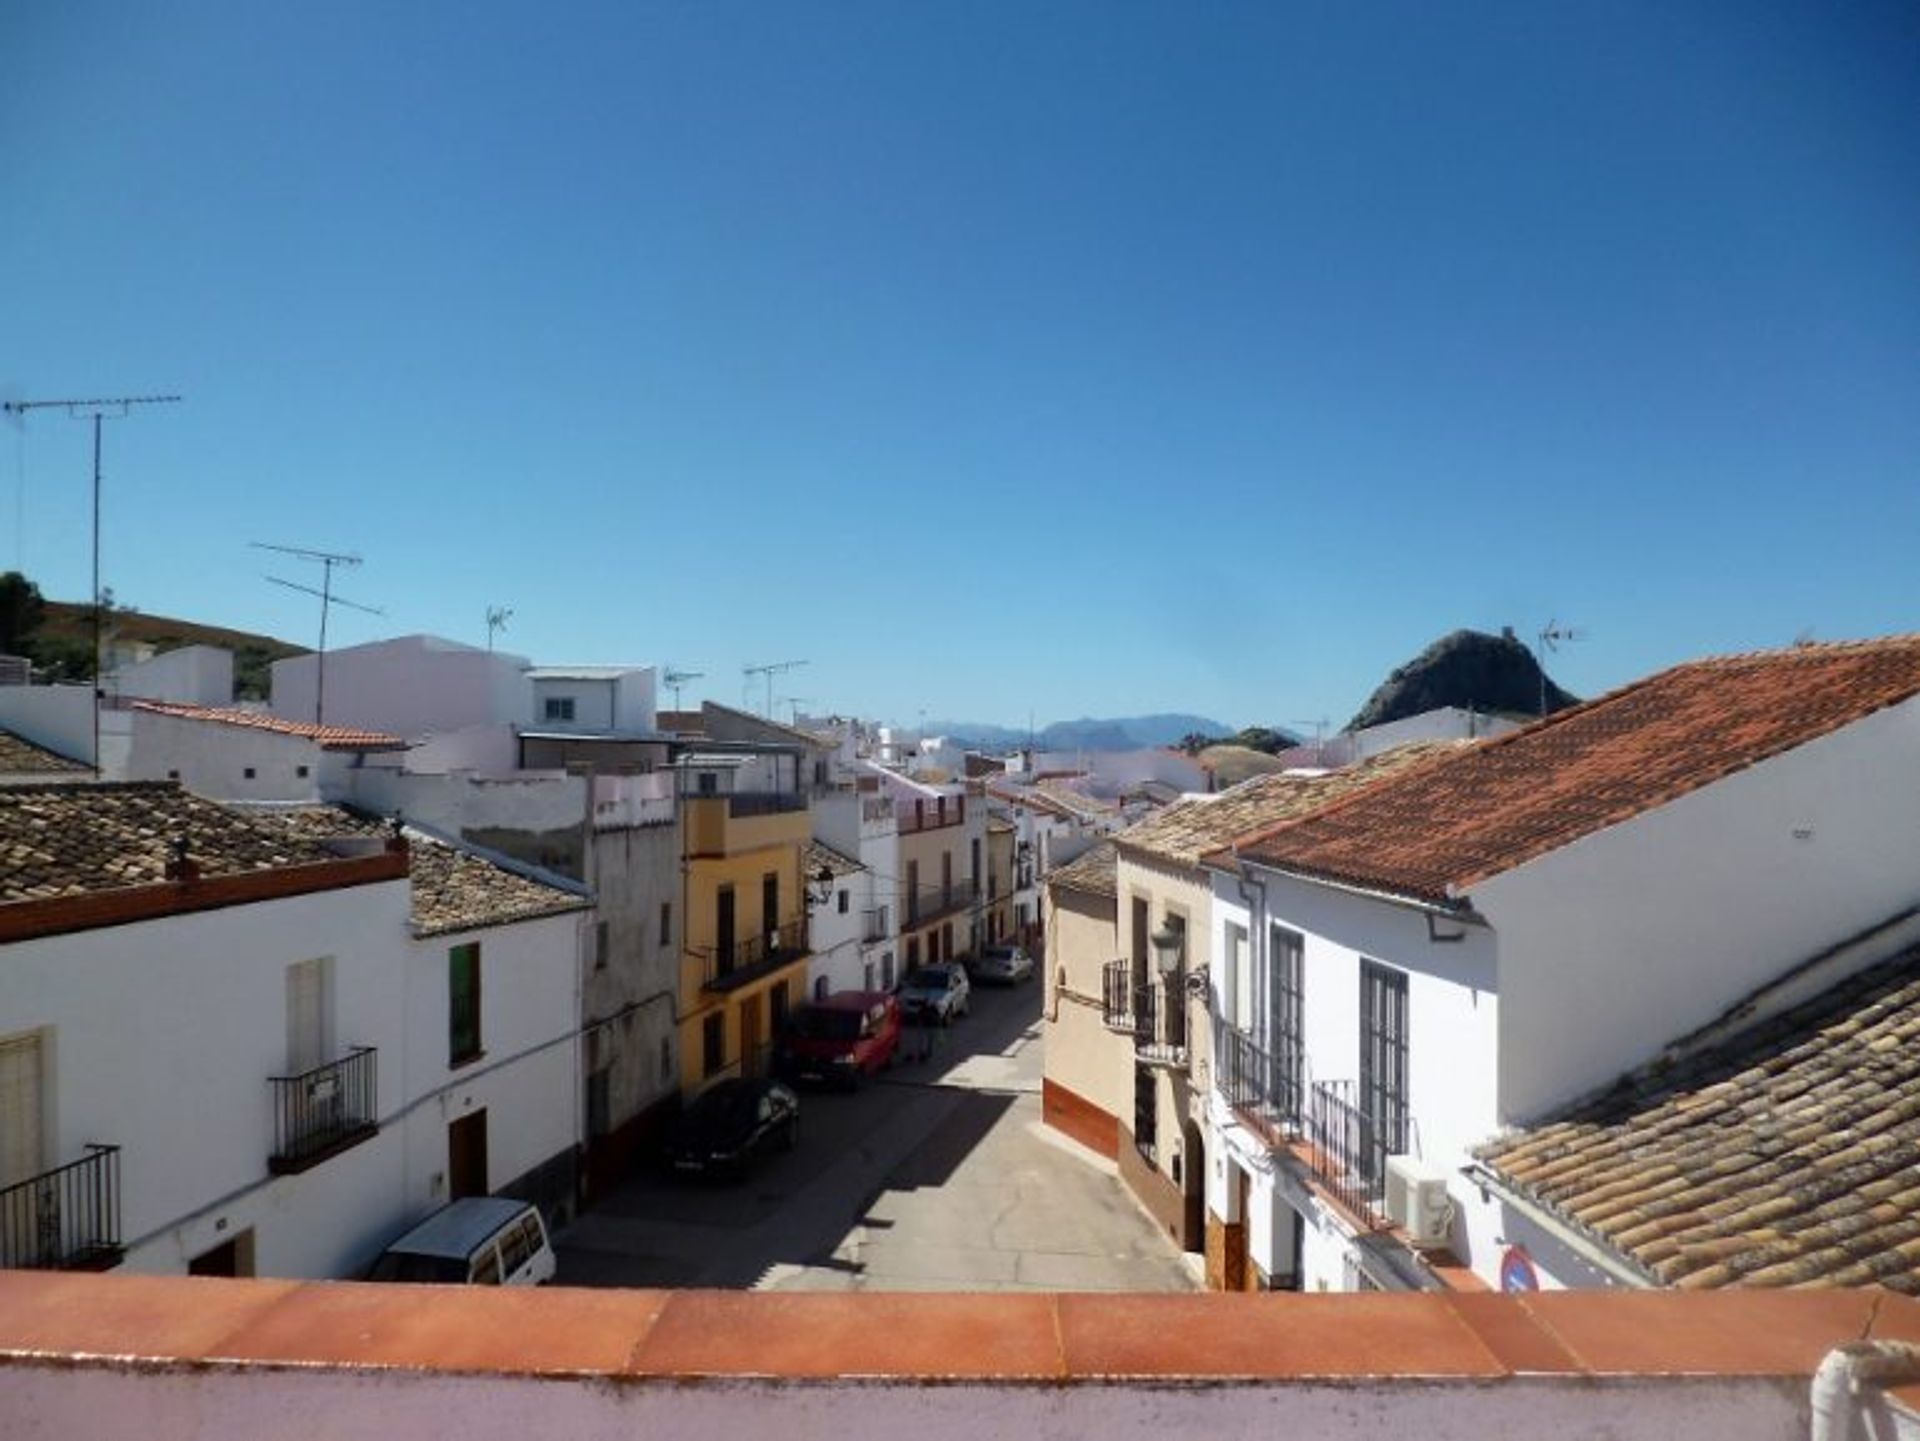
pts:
pixel 843 1039
pixel 1001 965
pixel 936 993
pixel 475 1241
pixel 730 1123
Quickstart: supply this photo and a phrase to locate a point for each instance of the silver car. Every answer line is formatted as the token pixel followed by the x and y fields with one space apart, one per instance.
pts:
pixel 935 994
pixel 1002 965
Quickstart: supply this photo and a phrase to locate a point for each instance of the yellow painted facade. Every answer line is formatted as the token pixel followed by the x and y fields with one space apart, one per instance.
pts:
pixel 933 925
pixel 999 921
pixel 740 992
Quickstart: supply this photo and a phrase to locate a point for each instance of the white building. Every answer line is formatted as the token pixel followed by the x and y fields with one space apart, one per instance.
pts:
pixel 411 685
pixel 839 900
pixel 1478 942
pixel 593 699
pixel 189 674
pixel 225 753
pixel 228 1048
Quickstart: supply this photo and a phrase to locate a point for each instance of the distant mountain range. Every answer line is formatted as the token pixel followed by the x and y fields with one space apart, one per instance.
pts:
pixel 1122 733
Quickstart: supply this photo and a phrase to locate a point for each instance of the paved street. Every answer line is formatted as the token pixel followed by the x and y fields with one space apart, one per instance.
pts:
pixel 939 1176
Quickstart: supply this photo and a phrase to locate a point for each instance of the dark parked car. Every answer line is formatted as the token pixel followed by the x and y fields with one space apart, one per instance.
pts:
pixel 729 1123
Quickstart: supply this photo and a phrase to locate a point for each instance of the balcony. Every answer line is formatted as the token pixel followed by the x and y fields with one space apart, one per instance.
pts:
pixel 66 1219
pixel 934 903
pixel 920 816
pixel 1153 1013
pixel 741 965
pixel 1348 1149
pixel 1261 1087
pixel 874 924
pixel 742 804
pixel 322 1112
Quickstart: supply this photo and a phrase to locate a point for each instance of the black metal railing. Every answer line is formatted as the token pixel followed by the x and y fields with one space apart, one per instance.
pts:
pixel 1153 1012
pixel 64 1219
pixel 922 816
pixel 873 924
pixel 932 903
pixel 1117 995
pixel 322 1112
pixel 764 803
pixel 751 959
pixel 1260 1085
pixel 1349 1148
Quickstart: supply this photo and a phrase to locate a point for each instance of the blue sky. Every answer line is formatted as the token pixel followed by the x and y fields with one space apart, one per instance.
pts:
pixel 1061 358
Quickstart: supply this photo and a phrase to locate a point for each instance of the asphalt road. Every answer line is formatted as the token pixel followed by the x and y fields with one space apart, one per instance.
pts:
pixel 938 1176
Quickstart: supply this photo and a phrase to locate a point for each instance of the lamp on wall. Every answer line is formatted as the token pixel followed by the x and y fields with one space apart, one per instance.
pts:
pixel 1169 942
pixel 819 887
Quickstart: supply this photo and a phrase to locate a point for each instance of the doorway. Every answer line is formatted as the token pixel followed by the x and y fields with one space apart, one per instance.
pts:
pixel 467 1155
pixel 230 1258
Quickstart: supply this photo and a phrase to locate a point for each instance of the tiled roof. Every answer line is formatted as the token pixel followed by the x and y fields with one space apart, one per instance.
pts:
pixel 1189 829
pixel 21 757
pixel 826 858
pixel 1442 827
pixel 452 889
pixel 331 738
pixel 1788 1155
pixel 1091 872
pixel 70 840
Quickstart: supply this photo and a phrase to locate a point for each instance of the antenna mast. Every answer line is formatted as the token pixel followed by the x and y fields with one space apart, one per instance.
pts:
pixel 326 560
pixel 673 679
pixel 1552 636
pixel 114 408
pixel 769 671
pixel 497 618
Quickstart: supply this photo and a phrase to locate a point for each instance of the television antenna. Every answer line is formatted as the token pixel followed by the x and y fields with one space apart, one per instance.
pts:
pixel 114 408
pixel 769 671
pixel 673 679
pixel 326 560
pixel 1552 636
pixel 497 618
pixel 794 702
pixel 1319 727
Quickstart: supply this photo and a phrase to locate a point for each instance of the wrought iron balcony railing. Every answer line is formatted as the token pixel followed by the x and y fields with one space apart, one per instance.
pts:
pixel 873 924
pixel 1349 1148
pixel 933 903
pixel 64 1219
pixel 738 965
pixel 1152 1011
pixel 322 1112
pixel 1261 1086
pixel 922 815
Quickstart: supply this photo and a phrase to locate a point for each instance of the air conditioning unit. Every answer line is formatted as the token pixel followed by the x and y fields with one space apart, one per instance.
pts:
pixel 1417 1200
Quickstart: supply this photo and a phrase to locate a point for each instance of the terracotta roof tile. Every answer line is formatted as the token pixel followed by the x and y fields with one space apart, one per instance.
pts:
pixel 72 839
pixel 1091 872
pixel 1442 827
pixel 21 757
pixel 452 889
pixel 331 738
pixel 1189 829
pixel 1787 1155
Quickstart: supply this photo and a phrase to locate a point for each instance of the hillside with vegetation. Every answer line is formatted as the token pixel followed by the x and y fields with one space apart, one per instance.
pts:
pixel 57 636
pixel 1469 669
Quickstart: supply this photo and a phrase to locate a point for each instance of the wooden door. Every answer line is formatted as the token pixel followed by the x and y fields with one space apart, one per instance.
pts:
pixel 467 1155
pixel 723 934
pixel 21 1144
pixel 1234 1268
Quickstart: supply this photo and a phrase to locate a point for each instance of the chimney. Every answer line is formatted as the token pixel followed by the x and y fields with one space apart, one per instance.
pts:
pixel 181 867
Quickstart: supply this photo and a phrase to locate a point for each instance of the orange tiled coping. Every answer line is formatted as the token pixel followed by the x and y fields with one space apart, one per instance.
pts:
pixel 1003 1339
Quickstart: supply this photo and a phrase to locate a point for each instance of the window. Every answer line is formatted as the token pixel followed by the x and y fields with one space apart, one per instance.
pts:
pixel 1146 1111
pixel 1286 1010
pixel 709 783
pixel 820 988
pixel 666 1058
pixel 913 952
pixel 1383 1066
pixel 248 772
pixel 886 970
pixel 841 902
pixel 173 775
pixel 866 976
pixel 599 1095
pixel 780 1008
pixel 301 771
pixel 463 1003
pixel 600 946
pixel 666 923
pixel 713 1044
pixel 557 708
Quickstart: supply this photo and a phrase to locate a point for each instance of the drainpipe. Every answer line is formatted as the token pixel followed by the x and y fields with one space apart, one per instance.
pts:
pixel 1848 1371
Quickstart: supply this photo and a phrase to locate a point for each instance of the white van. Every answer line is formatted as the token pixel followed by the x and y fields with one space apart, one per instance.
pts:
pixel 476 1241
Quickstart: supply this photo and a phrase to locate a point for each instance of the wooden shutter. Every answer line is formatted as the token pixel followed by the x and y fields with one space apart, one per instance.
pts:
pixel 21 1144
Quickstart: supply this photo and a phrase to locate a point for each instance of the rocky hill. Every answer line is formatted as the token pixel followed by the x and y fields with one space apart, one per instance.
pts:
pixel 1467 668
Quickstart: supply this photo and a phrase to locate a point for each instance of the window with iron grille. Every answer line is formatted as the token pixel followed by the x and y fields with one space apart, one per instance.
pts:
pixel 1383 1066
pixel 1146 1111
pixel 1286 1012
pixel 463 1003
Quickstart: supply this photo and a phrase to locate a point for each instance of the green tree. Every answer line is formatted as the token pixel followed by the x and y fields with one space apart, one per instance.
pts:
pixel 21 611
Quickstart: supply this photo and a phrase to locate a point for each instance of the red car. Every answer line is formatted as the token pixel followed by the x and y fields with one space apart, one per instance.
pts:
pixel 844 1039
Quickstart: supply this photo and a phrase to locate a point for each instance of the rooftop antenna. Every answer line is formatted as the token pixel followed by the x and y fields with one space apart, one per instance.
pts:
pixel 794 702
pixel 769 671
pixel 497 618
pixel 114 408
pixel 674 679
pixel 1319 727
pixel 1552 636
pixel 326 560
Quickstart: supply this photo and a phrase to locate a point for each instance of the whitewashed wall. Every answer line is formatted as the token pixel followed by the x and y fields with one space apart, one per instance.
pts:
pixel 194 674
pixel 211 759
pixel 59 717
pixel 1633 936
pixel 409 685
